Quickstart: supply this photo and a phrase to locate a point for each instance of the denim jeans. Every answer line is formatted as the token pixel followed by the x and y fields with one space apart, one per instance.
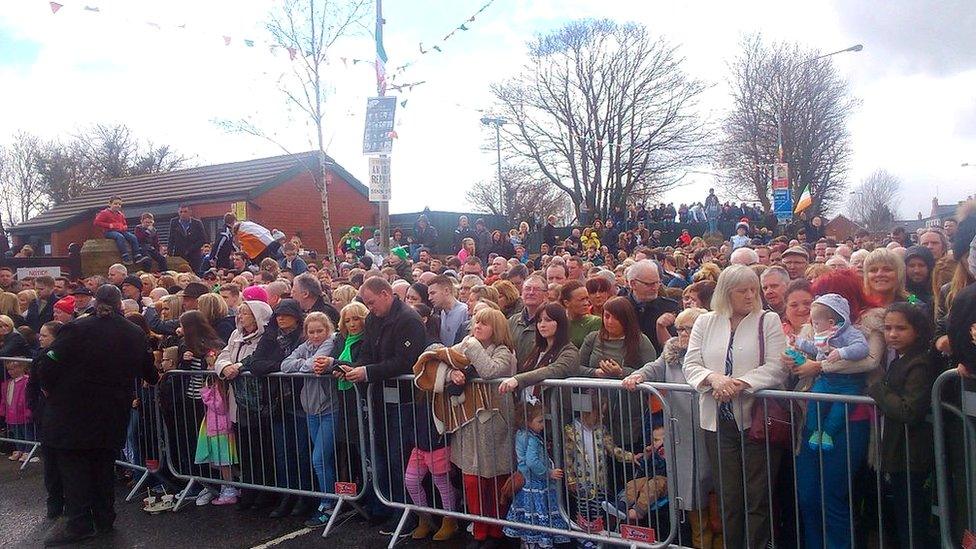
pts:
pixel 822 487
pixel 23 431
pixel 829 417
pixel 293 468
pixel 321 429
pixel 131 449
pixel 125 241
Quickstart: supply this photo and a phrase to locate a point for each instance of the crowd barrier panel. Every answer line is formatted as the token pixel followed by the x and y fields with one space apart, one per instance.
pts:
pixel 29 435
pixel 397 408
pixel 955 450
pixel 811 494
pixel 269 446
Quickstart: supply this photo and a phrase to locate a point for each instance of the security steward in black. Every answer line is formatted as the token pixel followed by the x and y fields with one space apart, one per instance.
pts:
pixel 89 374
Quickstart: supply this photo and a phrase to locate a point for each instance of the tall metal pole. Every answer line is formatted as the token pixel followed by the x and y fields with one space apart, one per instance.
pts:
pixel 498 151
pixel 384 206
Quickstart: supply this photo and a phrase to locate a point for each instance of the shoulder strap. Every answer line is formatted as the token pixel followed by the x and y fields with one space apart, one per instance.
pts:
pixel 762 339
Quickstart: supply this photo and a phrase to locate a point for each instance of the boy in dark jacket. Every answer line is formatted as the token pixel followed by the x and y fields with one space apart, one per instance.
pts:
pixel 148 239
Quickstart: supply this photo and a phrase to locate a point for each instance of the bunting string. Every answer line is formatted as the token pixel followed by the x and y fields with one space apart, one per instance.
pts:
pixel 437 45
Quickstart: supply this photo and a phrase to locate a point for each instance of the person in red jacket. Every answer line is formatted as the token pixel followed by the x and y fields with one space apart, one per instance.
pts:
pixel 112 221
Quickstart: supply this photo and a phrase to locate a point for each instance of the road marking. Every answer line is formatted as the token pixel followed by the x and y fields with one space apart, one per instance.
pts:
pixel 284 538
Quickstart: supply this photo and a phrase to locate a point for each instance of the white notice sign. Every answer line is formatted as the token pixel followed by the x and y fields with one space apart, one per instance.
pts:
pixel 34 272
pixel 379 179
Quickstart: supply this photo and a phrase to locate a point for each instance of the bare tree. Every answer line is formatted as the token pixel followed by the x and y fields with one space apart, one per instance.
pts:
pixel 23 187
pixel 524 195
pixel 99 153
pixel 874 203
pixel 603 111
pixel 309 29
pixel 784 93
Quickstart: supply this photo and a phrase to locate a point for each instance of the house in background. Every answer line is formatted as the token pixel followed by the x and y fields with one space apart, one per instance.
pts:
pixel 841 228
pixel 277 192
pixel 937 215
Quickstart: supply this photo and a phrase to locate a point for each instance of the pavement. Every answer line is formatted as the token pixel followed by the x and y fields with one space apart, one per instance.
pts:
pixel 23 523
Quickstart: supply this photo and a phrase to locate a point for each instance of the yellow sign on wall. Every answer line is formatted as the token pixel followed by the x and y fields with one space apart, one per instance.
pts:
pixel 239 209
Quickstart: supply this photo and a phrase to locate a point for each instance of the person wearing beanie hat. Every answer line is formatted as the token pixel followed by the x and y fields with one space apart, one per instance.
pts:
pixel 255 293
pixel 191 293
pixel 64 309
pixel 88 373
pixel 919 263
pixel 741 236
pixel 352 242
pixel 399 260
pixel 84 301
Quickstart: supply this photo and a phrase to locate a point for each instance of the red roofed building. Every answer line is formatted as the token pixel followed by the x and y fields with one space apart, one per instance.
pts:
pixel 277 192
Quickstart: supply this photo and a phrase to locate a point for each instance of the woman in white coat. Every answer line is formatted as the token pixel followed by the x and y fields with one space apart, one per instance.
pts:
pixel 723 363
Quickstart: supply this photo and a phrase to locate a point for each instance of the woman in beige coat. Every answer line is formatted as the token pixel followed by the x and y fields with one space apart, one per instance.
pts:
pixel 723 364
pixel 483 448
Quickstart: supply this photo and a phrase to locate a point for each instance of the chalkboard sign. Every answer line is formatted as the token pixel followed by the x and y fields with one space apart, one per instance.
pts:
pixel 379 125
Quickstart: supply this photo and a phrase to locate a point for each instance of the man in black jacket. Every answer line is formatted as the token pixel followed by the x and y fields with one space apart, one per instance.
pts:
pixel 186 237
pixel 89 373
pixel 307 291
pixel 393 339
pixel 224 245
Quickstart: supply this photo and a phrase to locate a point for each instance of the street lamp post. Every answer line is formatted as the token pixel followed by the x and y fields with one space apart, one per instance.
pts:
pixel 498 122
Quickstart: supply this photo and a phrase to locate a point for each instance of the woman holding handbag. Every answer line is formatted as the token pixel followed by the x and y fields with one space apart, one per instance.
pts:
pixel 733 352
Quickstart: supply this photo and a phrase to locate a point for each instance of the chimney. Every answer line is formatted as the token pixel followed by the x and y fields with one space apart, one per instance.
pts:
pixel 935 205
pixel 919 216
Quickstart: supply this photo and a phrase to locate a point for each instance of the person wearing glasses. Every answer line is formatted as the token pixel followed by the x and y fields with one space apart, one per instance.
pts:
pixel 521 325
pixel 655 313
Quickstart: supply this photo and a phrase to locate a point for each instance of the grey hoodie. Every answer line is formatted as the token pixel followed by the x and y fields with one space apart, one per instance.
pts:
pixel 318 393
pixel 848 340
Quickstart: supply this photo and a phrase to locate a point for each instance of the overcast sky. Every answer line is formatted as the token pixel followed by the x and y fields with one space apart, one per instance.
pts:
pixel 916 79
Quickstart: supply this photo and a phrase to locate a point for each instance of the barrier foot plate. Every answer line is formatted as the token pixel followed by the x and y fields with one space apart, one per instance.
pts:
pixel 332 519
pixel 396 533
pixel 183 493
pixel 138 486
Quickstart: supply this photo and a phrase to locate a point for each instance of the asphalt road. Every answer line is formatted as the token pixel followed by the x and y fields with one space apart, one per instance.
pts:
pixel 23 524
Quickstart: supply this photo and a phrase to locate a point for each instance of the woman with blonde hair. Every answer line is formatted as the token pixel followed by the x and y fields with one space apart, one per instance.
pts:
pixel 215 310
pixel 491 353
pixel 26 298
pixel 10 306
pixel 508 297
pixel 467 250
pixel 884 277
pixel 342 296
pixel 725 363
pixel 478 293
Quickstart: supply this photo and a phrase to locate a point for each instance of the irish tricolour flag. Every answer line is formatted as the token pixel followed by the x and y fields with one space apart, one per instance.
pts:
pixel 804 201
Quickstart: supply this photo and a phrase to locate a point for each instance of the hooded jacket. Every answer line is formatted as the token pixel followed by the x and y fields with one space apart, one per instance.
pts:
pixel 921 290
pixel 849 341
pixel 240 346
pixel 959 326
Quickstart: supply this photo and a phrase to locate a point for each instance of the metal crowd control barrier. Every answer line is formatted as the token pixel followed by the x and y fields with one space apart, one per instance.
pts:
pixel 266 442
pixel 955 457
pixel 595 406
pixel 141 451
pixel 20 434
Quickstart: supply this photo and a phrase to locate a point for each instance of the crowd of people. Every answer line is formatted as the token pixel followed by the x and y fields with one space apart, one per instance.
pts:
pixel 876 316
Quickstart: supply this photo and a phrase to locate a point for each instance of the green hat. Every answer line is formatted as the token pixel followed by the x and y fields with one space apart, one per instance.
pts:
pixel 400 252
pixel 355 229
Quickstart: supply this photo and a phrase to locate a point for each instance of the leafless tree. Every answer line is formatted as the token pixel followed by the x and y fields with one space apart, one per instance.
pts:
pixel 309 29
pixel 97 154
pixel 603 111
pixel 524 194
pixel 784 93
pixel 874 203
pixel 22 185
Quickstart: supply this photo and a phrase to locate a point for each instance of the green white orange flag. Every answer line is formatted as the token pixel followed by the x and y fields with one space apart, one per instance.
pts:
pixel 804 201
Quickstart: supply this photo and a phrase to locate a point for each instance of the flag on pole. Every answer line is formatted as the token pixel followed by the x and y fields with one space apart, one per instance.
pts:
pixel 804 201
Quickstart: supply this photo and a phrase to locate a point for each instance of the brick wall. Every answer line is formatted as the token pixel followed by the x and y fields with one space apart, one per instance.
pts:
pixel 294 207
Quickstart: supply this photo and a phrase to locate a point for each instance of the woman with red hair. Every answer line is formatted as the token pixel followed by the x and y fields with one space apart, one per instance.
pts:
pixel 823 477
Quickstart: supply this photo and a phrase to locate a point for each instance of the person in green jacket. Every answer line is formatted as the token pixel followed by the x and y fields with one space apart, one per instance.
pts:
pixel 576 300
pixel 903 394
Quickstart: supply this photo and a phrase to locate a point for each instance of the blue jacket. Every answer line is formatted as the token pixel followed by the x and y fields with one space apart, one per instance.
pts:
pixel 848 340
pixel 298 266
pixel 530 453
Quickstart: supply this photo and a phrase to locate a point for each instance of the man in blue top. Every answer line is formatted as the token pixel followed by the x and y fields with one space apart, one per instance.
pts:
pixel 453 313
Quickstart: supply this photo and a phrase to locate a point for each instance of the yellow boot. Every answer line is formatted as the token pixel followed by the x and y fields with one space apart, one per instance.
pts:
pixel 449 528
pixel 424 527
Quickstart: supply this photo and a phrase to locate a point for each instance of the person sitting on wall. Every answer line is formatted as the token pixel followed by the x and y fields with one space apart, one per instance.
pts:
pixel 112 221
pixel 148 238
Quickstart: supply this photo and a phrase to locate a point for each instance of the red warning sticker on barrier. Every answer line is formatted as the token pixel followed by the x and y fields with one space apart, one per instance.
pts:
pixel 637 533
pixel 346 489
pixel 968 540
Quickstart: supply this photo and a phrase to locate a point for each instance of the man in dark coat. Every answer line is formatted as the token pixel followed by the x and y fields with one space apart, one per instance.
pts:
pixel 89 373
pixel 186 237
pixel 393 339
